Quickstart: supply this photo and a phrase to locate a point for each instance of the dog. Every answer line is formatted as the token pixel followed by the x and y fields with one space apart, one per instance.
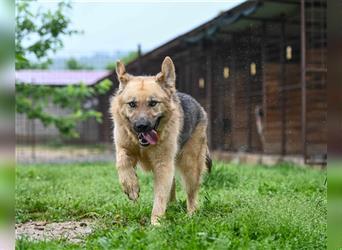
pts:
pixel 161 130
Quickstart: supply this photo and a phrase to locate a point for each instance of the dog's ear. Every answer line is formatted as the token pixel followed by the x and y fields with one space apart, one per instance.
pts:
pixel 167 76
pixel 121 73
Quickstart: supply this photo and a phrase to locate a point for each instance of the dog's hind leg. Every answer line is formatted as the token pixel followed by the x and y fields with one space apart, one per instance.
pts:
pixel 192 163
pixel 173 190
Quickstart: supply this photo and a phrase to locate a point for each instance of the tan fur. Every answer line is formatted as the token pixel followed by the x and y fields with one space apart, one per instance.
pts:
pixel 164 157
pixel 191 164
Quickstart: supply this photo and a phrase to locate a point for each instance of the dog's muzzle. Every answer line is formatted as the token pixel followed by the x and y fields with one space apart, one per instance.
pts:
pixel 148 136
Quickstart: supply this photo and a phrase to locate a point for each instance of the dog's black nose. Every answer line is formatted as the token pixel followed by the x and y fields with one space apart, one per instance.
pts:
pixel 142 125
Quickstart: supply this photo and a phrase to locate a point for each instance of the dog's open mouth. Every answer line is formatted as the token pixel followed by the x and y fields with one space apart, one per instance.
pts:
pixel 149 137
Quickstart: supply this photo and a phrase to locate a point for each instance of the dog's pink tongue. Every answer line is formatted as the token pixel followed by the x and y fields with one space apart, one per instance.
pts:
pixel 151 136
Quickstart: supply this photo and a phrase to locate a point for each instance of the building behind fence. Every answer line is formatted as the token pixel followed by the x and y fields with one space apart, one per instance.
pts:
pixel 37 143
pixel 30 131
pixel 262 60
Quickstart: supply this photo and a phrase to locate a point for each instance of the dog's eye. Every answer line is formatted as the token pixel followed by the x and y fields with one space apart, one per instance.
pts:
pixel 152 103
pixel 132 104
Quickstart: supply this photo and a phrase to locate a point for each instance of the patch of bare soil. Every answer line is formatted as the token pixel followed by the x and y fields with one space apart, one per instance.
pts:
pixel 73 231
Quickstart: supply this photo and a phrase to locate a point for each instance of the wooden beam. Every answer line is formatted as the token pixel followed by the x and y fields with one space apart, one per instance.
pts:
pixel 283 93
pixel 303 75
pixel 283 2
pixel 209 95
pixel 249 108
pixel 271 20
pixel 264 96
pixel 233 91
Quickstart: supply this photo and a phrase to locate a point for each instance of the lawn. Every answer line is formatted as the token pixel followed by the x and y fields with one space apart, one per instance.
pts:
pixel 254 207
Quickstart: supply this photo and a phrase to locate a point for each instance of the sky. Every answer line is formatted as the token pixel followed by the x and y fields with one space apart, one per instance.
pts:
pixel 110 26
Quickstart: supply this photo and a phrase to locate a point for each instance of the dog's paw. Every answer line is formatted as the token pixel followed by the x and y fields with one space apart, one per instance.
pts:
pixel 129 184
pixel 155 221
pixel 133 193
pixel 131 188
pixel 191 208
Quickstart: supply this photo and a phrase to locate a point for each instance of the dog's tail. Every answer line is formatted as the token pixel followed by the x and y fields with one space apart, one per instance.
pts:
pixel 208 161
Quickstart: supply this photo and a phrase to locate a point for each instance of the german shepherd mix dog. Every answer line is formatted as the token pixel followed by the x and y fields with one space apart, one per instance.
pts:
pixel 161 130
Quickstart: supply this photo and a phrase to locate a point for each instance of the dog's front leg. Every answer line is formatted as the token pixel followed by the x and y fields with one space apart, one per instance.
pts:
pixel 126 172
pixel 163 178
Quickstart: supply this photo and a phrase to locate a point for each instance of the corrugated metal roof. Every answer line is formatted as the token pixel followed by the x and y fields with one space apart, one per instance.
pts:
pixel 59 78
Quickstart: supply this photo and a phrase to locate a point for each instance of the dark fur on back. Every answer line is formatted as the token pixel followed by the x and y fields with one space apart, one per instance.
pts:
pixel 193 114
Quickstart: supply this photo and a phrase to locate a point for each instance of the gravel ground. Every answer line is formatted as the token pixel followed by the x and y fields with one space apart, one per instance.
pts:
pixel 73 231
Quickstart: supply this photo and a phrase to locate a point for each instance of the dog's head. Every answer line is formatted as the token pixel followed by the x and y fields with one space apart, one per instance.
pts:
pixel 146 101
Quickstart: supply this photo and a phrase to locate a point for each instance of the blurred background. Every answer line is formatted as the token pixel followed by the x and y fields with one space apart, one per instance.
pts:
pixel 64 69
pixel 258 67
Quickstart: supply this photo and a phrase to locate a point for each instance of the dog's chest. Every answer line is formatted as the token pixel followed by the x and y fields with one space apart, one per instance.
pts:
pixel 144 161
pixel 150 159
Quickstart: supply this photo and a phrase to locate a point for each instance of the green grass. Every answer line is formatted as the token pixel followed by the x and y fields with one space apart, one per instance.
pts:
pixel 246 207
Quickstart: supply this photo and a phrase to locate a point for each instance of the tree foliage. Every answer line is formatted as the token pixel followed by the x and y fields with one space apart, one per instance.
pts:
pixel 73 64
pixel 38 36
pixel 131 56
pixel 34 101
